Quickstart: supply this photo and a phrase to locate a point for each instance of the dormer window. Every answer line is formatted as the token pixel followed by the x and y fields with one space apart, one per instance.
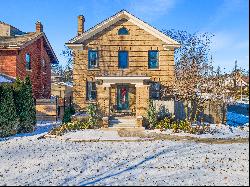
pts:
pixel 123 31
pixel 27 61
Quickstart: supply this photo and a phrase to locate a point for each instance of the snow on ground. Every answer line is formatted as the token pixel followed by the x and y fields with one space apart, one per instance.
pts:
pixel 98 134
pixel 218 131
pixel 25 160
pixel 42 127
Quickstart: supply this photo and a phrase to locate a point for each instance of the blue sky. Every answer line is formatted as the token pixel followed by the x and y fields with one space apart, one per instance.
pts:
pixel 227 19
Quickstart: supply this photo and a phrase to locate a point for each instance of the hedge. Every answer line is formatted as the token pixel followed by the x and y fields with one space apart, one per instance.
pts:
pixel 8 118
pixel 17 108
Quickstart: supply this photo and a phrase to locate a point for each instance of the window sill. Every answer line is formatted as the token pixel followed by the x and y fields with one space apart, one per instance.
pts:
pixel 156 69
pixel 123 68
pixel 94 69
pixel 91 102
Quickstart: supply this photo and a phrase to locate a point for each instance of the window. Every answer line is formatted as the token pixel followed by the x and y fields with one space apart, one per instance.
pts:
pixel 93 59
pixel 153 62
pixel 27 59
pixel 43 65
pixel 123 31
pixel 123 59
pixel 155 88
pixel 91 91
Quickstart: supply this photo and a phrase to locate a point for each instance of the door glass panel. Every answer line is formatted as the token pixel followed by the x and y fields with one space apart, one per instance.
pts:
pixel 122 98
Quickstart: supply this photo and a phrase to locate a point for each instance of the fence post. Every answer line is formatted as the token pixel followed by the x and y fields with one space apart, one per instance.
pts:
pixel 70 100
pixel 56 108
pixel 64 103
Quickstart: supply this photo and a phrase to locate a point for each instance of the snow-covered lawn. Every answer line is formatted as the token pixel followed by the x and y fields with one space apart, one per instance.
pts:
pixel 218 131
pixel 102 135
pixel 26 160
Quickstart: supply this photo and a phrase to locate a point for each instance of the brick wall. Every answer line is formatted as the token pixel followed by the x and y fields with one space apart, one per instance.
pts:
pixel 40 75
pixel 8 62
pixel 13 63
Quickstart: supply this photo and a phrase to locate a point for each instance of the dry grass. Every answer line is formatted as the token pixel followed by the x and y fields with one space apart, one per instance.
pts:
pixel 156 136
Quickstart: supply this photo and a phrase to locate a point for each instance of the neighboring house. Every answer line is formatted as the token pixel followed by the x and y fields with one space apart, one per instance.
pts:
pixel 60 88
pixel 55 77
pixel 31 54
pixel 120 64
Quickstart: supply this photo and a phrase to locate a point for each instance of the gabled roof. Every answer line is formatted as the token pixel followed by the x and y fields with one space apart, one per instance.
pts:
pixel 21 41
pixel 18 41
pixel 117 17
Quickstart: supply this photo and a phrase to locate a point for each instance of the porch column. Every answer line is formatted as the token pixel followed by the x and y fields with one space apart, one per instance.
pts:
pixel 103 99
pixel 142 99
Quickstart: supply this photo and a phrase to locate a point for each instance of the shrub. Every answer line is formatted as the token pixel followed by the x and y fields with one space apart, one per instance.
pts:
pixel 93 116
pixel 25 105
pixel 184 125
pixel 8 117
pixel 175 127
pixel 69 111
pixel 165 123
pixel 152 115
pixel 71 126
pixel 163 113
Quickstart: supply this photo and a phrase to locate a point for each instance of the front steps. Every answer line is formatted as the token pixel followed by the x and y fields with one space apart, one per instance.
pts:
pixel 123 123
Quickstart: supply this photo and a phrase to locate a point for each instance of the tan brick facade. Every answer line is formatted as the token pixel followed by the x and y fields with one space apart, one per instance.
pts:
pixel 108 43
pixel 109 77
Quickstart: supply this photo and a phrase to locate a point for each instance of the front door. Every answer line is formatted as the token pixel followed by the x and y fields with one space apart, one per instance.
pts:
pixel 122 97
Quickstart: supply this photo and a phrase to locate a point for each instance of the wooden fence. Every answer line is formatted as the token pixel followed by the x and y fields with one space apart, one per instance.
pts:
pixel 212 113
pixel 51 109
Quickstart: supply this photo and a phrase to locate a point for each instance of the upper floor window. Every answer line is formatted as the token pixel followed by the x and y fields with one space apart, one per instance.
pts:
pixel 123 31
pixel 123 59
pixel 27 61
pixel 43 63
pixel 91 91
pixel 153 59
pixel 92 59
pixel 155 88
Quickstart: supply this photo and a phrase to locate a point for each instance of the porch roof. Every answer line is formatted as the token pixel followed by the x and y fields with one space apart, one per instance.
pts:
pixel 108 80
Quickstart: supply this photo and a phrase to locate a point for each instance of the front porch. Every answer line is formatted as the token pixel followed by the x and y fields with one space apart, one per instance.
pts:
pixel 121 97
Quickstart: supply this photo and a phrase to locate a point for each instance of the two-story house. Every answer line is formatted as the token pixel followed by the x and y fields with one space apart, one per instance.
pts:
pixel 120 64
pixel 27 54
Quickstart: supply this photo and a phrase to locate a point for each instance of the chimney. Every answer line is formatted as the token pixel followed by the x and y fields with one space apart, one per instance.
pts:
pixel 80 29
pixel 39 26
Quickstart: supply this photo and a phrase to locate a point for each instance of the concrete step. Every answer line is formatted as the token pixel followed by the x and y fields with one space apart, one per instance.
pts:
pixel 120 120
pixel 126 128
pixel 123 125
pixel 45 118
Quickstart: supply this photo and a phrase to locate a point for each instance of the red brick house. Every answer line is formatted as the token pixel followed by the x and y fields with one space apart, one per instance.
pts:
pixel 31 54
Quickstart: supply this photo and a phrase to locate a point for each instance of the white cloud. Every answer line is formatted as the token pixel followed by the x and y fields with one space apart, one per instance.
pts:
pixel 225 39
pixel 222 40
pixel 229 46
